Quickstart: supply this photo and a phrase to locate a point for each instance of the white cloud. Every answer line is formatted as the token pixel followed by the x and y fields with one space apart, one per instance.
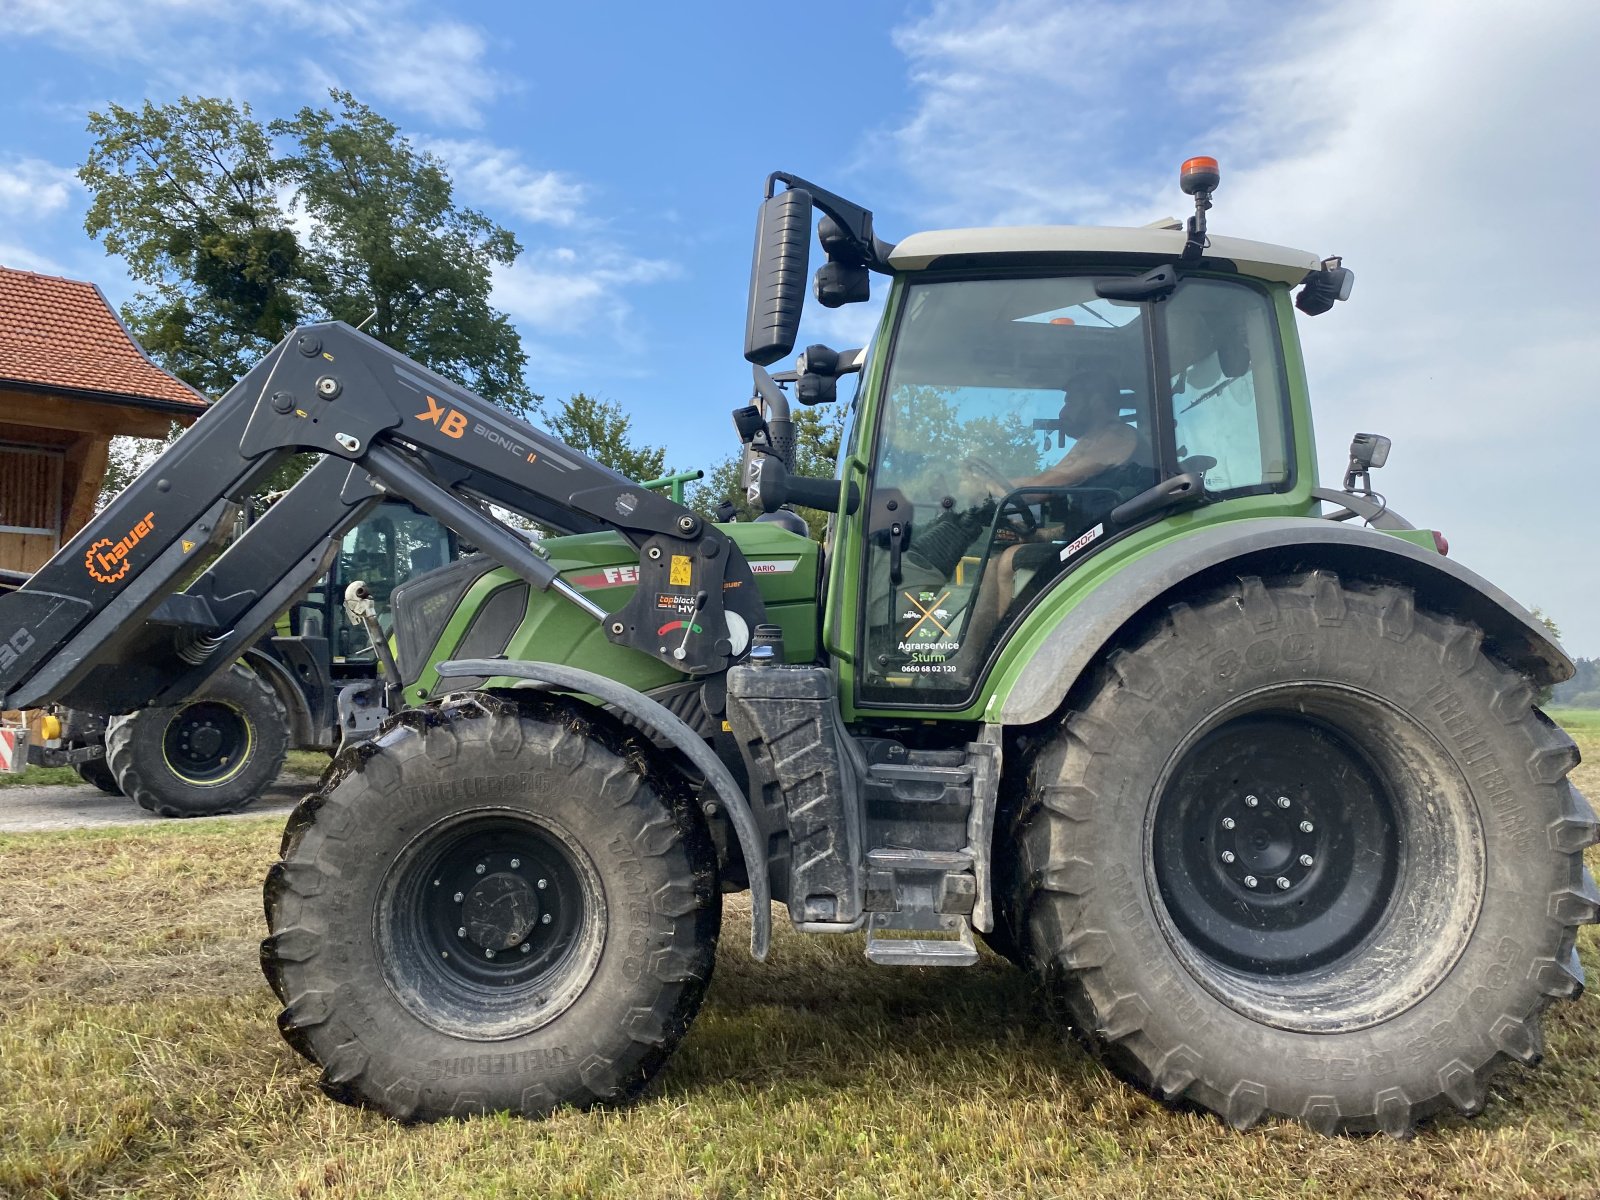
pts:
pixel 23 258
pixel 31 188
pixel 391 52
pixel 1442 147
pixel 497 176
pixel 562 290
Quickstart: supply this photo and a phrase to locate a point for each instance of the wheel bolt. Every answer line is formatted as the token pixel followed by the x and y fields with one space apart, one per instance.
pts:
pixel 1227 856
pixel 1283 884
pixel 1250 881
pixel 460 896
pixel 1228 822
pixel 1283 802
pixel 462 932
pixel 524 947
pixel 488 953
pixel 545 920
pixel 1306 860
pixel 543 883
pixel 515 863
pixel 1306 827
pixel 480 868
pixel 1251 801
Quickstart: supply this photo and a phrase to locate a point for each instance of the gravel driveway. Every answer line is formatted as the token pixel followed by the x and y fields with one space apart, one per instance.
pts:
pixel 80 806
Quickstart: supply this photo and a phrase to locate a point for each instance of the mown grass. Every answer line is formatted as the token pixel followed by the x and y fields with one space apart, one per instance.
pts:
pixel 299 762
pixel 38 777
pixel 138 1057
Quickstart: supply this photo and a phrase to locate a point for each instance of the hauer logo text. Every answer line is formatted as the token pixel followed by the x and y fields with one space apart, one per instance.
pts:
pixel 107 561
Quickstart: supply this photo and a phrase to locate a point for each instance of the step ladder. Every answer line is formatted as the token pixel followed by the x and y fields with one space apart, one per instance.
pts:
pixel 921 882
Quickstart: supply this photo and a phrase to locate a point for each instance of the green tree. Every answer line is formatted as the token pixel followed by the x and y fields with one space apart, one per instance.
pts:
pixel 600 429
pixel 202 201
pixel 189 196
pixel 391 243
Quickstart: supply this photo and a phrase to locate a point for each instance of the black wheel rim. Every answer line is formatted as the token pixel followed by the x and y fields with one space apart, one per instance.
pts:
pixel 207 743
pixel 1389 899
pixel 1276 844
pixel 490 923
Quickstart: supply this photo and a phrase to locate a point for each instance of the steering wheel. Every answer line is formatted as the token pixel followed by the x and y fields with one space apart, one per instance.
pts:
pixel 990 474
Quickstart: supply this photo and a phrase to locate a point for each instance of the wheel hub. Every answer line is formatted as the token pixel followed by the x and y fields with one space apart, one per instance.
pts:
pixel 500 911
pixel 1267 842
pixel 203 741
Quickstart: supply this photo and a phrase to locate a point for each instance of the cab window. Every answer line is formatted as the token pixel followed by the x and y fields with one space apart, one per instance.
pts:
pixel 1018 413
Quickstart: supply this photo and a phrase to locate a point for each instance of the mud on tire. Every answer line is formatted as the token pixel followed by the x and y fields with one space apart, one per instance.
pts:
pixel 491 907
pixel 214 753
pixel 1305 849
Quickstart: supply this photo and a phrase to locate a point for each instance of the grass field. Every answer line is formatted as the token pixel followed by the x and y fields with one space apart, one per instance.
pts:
pixel 138 1056
pixel 300 762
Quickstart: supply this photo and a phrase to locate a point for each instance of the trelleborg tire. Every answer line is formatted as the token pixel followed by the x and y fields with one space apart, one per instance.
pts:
pixel 214 753
pixel 491 908
pixel 1305 849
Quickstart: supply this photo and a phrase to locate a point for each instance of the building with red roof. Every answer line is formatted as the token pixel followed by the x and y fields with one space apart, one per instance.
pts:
pixel 71 378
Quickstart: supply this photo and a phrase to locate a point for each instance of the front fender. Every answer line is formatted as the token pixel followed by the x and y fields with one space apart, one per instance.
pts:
pixel 1269 545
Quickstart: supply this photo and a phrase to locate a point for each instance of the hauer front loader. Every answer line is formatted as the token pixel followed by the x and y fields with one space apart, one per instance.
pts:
pixel 1261 794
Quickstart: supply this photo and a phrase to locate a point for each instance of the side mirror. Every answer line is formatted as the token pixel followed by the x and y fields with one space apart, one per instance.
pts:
pixel 778 276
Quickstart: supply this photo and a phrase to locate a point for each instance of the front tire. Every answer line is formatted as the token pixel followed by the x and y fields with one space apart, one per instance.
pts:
pixel 214 753
pixel 490 908
pixel 1306 850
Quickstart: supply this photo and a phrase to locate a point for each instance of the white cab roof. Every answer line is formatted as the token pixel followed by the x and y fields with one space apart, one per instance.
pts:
pixel 1259 259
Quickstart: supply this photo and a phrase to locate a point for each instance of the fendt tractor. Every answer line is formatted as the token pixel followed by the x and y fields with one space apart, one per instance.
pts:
pixel 309 681
pixel 1245 769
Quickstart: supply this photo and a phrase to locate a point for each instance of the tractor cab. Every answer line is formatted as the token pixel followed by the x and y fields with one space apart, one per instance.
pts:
pixel 1021 413
pixel 1035 397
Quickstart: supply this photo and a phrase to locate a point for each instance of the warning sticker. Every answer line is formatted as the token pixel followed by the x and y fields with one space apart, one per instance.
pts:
pixel 682 573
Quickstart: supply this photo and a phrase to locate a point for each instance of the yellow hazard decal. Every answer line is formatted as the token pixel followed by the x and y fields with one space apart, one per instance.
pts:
pixel 682 572
pixel 187 545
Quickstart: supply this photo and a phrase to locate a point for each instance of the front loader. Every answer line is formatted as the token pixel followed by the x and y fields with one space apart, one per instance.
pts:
pixel 1244 768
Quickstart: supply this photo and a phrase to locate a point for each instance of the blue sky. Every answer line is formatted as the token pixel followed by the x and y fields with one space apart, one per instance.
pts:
pixel 1446 148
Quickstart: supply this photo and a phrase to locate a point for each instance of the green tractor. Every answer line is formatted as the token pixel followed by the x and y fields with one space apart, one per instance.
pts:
pixel 1244 769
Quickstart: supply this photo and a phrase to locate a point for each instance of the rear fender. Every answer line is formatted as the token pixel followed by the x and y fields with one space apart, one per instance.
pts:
pixel 1272 545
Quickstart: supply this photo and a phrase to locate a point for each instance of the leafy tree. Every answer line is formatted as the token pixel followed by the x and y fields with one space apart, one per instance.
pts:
pixel 391 242
pixel 242 230
pixel 189 196
pixel 600 429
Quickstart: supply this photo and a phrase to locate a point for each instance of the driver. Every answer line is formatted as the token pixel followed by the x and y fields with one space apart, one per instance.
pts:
pixel 1102 441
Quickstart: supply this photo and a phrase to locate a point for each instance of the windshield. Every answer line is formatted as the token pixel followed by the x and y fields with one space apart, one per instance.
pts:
pixel 1018 414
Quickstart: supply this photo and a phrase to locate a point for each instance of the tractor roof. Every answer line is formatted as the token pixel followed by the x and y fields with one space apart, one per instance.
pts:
pixel 1163 240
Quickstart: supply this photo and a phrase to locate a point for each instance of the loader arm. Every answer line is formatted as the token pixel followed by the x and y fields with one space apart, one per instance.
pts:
pixel 100 623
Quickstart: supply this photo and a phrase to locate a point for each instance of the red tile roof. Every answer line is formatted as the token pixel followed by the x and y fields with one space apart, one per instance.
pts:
pixel 61 333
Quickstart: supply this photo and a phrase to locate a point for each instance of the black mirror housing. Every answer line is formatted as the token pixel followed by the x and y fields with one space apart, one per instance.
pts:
pixel 778 276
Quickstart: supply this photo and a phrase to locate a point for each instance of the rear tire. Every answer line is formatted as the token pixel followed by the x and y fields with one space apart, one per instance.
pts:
pixel 1366 943
pixel 214 753
pixel 491 908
